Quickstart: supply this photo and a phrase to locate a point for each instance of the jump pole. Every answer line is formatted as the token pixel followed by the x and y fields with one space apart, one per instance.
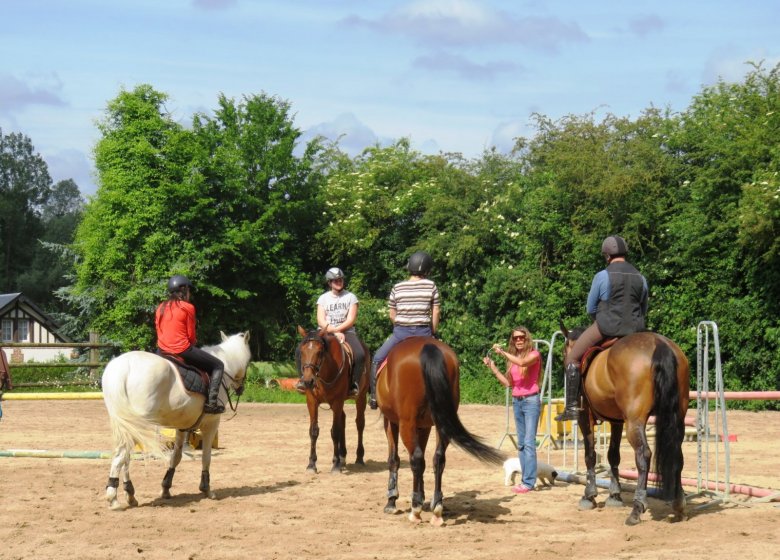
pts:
pixel 95 395
pixel 53 454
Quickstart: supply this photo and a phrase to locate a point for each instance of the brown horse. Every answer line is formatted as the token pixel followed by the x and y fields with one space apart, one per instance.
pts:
pixel 325 366
pixel 641 374
pixel 420 388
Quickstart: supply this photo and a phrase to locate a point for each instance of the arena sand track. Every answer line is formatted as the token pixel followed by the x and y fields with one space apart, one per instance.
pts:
pixel 268 507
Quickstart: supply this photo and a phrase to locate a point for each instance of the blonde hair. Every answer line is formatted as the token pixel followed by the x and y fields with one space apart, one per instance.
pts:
pixel 512 349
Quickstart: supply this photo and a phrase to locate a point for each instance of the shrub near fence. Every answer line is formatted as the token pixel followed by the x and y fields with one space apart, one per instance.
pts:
pixel 80 371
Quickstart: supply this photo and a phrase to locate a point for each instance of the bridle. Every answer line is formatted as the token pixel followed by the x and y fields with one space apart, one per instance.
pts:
pixel 316 367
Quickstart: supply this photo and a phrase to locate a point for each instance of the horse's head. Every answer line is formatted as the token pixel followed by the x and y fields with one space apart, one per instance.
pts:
pixel 312 351
pixel 236 356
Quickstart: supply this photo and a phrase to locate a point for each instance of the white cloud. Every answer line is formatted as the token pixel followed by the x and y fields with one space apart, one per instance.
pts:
pixel 467 23
pixel 16 95
pixel 71 164
pixel 352 135
pixel 462 66
pixel 646 25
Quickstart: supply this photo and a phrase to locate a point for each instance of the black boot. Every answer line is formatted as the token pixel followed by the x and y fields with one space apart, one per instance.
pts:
pixel 212 404
pixel 372 386
pixel 353 387
pixel 572 410
pixel 300 387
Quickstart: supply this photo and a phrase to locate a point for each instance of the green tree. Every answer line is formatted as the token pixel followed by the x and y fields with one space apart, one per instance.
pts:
pixel 25 186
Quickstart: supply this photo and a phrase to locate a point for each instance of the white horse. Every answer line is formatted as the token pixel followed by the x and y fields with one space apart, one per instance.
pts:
pixel 143 390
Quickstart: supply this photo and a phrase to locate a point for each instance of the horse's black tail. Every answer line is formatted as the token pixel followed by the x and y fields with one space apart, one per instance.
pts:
pixel 670 423
pixel 443 409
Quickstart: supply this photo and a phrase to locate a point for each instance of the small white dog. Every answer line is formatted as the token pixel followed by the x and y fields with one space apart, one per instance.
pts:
pixel 546 473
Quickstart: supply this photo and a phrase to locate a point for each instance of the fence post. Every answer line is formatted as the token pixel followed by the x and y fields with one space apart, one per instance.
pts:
pixel 94 355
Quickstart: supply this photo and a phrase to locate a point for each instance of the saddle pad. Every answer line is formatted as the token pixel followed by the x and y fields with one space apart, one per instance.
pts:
pixel 195 380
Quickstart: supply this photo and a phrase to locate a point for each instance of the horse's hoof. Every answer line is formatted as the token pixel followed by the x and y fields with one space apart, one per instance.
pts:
pixel 211 495
pixel 165 494
pixel 586 505
pixel 414 517
pixel 438 510
pixel 360 462
pixel 614 502
pixel 437 521
pixel 115 506
pixel 131 501
pixel 632 520
pixel 311 470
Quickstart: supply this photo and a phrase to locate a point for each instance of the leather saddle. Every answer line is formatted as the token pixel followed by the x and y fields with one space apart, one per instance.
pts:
pixel 195 380
pixel 591 353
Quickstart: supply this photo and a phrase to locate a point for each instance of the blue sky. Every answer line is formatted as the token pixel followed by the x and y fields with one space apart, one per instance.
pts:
pixel 451 75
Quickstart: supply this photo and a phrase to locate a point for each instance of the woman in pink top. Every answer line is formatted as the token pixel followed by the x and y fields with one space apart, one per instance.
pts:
pixel 522 375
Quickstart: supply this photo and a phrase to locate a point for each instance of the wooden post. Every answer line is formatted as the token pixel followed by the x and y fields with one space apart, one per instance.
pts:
pixel 94 355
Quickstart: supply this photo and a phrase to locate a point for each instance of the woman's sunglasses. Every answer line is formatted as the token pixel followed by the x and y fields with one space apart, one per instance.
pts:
pixel 518 337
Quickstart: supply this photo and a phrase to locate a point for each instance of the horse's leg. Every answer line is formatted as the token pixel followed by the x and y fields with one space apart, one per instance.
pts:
pixel 409 436
pixel 360 424
pixel 167 482
pixel 393 462
pixel 208 430
pixel 439 460
pixel 588 500
pixel 337 436
pixel 314 432
pixel 119 464
pixel 635 431
pixel 613 455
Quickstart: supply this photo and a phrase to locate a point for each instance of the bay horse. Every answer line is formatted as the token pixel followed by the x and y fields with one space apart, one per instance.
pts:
pixel 326 369
pixel 641 374
pixel 143 391
pixel 418 389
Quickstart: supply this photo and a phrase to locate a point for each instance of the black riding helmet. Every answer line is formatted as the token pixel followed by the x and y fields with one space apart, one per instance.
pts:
pixel 420 263
pixel 614 246
pixel 177 282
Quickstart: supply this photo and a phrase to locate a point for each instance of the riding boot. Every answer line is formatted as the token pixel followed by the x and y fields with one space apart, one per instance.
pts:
pixel 572 410
pixel 213 405
pixel 372 386
pixel 300 387
pixel 353 387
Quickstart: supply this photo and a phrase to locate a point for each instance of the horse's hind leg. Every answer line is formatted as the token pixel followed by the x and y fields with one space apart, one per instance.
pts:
pixel 393 462
pixel 439 460
pixel 119 464
pixel 411 439
pixel 613 455
pixel 167 482
pixel 638 439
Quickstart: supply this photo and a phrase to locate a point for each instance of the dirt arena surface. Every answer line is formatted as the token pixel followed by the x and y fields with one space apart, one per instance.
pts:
pixel 268 507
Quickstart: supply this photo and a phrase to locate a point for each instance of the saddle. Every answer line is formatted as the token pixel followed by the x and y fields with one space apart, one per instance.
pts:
pixel 195 380
pixel 591 353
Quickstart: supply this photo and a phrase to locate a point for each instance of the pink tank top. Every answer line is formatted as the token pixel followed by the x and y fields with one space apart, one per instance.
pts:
pixel 525 380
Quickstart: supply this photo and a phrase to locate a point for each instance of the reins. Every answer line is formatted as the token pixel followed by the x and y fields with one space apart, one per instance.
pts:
pixel 318 366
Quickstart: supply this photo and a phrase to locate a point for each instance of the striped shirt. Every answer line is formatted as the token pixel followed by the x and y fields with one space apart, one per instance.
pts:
pixel 413 301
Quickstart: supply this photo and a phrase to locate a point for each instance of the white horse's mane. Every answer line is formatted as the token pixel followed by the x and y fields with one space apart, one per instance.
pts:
pixel 233 351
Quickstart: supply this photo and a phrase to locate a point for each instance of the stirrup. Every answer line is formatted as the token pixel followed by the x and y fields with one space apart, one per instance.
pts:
pixel 214 409
pixel 372 403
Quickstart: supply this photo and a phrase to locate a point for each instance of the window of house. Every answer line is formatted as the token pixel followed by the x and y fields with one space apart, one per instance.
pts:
pixel 24 330
pixel 8 330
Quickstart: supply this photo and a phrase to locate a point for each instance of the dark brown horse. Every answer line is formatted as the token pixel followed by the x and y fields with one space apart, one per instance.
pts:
pixel 420 388
pixel 325 366
pixel 641 374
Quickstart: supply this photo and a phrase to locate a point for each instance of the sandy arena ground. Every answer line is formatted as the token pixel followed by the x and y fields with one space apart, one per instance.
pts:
pixel 268 507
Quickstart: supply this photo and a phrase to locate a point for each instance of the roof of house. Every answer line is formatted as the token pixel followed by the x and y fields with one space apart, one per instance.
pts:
pixel 8 301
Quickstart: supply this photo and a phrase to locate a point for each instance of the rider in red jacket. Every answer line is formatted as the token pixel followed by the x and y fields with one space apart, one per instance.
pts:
pixel 175 324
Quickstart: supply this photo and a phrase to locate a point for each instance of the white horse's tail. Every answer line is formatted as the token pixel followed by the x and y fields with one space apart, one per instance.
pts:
pixel 128 429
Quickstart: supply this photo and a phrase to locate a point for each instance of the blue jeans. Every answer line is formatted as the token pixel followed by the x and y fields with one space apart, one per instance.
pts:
pixel 399 334
pixel 527 411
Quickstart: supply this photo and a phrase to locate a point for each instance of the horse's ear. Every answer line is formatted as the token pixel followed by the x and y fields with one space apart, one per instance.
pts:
pixel 223 335
pixel 301 331
pixel 323 331
pixel 246 336
pixel 564 330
